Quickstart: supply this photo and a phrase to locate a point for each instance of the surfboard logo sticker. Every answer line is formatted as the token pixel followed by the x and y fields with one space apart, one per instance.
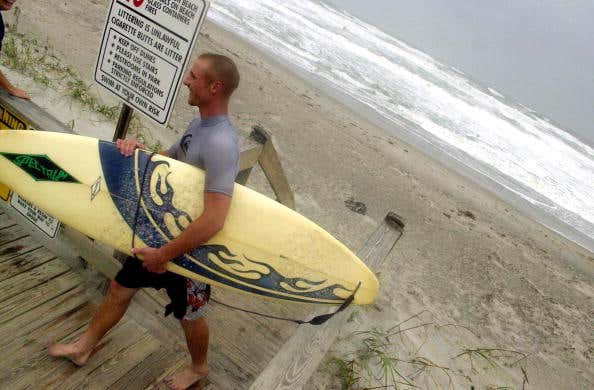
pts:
pixel 95 188
pixel 40 167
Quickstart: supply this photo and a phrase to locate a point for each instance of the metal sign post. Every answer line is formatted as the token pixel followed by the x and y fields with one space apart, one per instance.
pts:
pixel 123 122
pixel 145 49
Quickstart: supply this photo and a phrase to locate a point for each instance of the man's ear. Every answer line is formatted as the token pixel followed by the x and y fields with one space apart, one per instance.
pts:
pixel 217 86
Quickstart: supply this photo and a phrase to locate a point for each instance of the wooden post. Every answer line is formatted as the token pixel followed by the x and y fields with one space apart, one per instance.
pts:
pixel 273 168
pixel 123 122
pixel 300 356
pixel 248 158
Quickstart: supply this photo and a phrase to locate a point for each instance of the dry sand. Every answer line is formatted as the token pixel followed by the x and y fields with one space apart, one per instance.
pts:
pixel 465 258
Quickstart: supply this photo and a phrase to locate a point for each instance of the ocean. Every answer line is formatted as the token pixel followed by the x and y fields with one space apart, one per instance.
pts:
pixel 517 153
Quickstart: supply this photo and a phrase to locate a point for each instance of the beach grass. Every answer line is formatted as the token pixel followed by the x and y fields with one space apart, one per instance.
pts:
pixel 374 360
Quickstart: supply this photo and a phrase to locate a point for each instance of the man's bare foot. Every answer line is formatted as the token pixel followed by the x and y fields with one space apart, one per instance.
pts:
pixel 185 378
pixel 72 351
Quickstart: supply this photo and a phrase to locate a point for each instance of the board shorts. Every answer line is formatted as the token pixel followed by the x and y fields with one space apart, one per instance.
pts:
pixel 189 298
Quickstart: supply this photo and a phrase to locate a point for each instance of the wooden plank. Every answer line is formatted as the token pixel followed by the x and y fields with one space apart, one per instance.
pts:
pixel 70 252
pixel 117 366
pixel 149 312
pixel 37 369
pixel 11 233
pixel 154 367
pixel 243 176
pixel 298 359
pixel 248 158
pixel 248 342
pixel 248 162
pixel 227 369
pixel 28 349
pixel 273 169
pixel 112 346
pixel 25 281
pixel 24 263
pixel 17 247
pixel 88 250
pixel 20 377
pixel 157 383
pixel 26 323
pixel 6 221
pixel 37 296
pixel 48 366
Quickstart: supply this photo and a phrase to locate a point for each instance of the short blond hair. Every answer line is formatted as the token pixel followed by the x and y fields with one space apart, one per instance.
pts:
pixel 222 68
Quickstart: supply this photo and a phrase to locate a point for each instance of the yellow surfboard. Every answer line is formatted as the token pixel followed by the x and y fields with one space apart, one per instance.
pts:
pixel 265 248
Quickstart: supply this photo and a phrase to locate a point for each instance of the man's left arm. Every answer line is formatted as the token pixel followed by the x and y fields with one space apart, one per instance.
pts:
pixel 210 222
pixel 11 89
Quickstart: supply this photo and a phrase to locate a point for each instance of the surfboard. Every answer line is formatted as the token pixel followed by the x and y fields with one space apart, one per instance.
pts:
pixel 264 249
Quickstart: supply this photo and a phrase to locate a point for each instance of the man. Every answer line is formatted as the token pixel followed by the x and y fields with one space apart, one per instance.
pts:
pixel 210 143
pixel 6 5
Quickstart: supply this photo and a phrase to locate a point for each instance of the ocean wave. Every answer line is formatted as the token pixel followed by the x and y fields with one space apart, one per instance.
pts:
pixel 404 85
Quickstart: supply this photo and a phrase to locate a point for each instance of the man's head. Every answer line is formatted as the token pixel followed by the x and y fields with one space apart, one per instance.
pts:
pixel 6 5
pixel 211 80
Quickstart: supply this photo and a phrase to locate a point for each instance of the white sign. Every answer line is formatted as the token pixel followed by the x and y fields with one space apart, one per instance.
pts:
pixel 145 48
pixel 45 223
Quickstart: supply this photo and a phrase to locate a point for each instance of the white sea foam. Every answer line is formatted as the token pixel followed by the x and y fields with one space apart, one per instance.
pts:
pixel 398 82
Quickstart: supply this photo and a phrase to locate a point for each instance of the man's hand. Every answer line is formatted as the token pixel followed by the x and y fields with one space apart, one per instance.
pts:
pixel 127 146
pixel 152 259
pixel 19 93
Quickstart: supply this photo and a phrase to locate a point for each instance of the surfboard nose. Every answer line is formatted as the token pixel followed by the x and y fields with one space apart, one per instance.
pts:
pixel 368 292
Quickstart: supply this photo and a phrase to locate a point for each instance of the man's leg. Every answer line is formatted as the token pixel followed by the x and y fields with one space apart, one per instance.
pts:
pixel 197 339
pixel 109 313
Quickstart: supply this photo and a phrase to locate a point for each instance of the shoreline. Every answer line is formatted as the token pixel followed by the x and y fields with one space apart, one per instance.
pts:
pixel 500 191
pixel 466 256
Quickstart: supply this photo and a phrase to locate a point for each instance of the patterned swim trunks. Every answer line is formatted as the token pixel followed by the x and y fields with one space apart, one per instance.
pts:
pixel 189 298
pixel 198 294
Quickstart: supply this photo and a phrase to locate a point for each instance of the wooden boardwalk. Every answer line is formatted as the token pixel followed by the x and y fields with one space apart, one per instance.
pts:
pixel 43 300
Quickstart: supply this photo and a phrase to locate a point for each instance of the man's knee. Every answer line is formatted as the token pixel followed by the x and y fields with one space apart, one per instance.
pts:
pixel 119 293
pixel 191 323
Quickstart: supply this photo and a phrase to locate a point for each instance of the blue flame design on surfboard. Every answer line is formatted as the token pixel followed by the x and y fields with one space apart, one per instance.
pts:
pixel 119 173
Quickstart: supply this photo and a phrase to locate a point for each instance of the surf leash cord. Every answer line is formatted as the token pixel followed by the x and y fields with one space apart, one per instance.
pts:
pixel 318 320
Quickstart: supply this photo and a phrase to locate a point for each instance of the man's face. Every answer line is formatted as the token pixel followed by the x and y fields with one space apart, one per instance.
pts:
pixel 200 87
pixel 5 5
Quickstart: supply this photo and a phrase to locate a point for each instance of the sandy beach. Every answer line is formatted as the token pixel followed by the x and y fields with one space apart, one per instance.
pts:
pixel 466 257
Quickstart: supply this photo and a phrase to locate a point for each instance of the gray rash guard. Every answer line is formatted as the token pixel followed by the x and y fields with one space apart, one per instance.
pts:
pixel 211 144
